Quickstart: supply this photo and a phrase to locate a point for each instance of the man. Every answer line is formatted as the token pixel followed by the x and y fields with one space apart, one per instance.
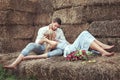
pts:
pixel 38 47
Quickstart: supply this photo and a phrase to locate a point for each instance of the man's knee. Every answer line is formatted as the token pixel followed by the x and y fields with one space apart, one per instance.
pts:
pixel 30 47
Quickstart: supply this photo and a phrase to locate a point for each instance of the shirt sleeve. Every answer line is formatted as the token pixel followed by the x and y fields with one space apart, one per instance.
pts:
pixel 62 36
pixel 41 31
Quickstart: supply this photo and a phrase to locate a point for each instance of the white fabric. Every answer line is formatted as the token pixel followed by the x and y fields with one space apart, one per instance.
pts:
pixel 59 34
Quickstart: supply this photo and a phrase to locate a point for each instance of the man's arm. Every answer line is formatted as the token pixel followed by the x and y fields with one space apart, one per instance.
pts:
pixel 52 43
pixel 62 36
pixel 40 35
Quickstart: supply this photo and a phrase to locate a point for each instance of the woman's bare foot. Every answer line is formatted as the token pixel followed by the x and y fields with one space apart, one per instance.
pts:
pixel 107 46
pixel 108 54
pixel 9 67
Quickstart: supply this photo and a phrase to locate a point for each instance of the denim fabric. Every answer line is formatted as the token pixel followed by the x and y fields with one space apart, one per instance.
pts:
pixel 39 49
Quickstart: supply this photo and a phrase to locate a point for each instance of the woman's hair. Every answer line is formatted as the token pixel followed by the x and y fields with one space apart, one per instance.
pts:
pixel 49 34
pixel 58 20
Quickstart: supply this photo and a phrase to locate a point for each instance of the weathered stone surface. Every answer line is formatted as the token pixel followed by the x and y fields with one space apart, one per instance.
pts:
pixel 24 5
pixel 3 32
pixel 44 18
pixel 44 6
pixel 95 2
pixel 72 31
pixel 105 28
pixel 101 13
pixel 12 45
pixel 17 17
pixel 70 16
pixel 83 14
pixel 3 17
pixel 60 4
pixel 4 4
pixel 21 31
pixel 57 68
pixel 111 41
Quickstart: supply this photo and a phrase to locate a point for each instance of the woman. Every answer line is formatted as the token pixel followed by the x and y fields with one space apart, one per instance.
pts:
pixel 84 41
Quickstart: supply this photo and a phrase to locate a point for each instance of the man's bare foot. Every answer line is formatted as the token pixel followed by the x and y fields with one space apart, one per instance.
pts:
pixel 108 47
pixel 9 67
pixel 108 54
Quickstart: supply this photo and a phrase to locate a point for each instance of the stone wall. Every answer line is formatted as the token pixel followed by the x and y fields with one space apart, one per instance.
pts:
pixel 100 17
pixel 21 19
pixel 19 22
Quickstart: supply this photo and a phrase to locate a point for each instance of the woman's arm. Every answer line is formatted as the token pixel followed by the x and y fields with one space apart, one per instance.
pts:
pixel 53 44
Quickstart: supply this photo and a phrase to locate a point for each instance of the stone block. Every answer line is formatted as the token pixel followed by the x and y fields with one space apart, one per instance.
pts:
pixel 44 6
pixel 60 4
pixel 17 17
pixel 72 31
pixel 24 5
pixel 43 19
pixel 70 15
pixel 105 28
pixel 81 14
pixel 3 17
pixel 21 32
pixel 4 4
pixel 111 41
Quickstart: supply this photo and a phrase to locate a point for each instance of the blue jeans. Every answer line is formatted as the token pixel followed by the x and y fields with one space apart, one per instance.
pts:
pixel 39 49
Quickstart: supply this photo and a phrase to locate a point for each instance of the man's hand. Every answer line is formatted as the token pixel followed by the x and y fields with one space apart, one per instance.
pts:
pixel 44 39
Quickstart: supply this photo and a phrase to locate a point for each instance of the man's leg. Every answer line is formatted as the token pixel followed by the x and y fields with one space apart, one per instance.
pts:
pixel 30 47
pixel 104 46
pixel 103 52
pixel 45 55
pixel 14 64
pixel 55 52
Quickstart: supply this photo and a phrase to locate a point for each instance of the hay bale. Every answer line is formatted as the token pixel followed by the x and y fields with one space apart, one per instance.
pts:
pixel 3 17
pixel 57 68
pixel 101 13
pixel 3 32
pixel 21 31
pixel 107 32
pixel 111 41
pixel 81 14
pixel 70 15
pixel 4 4
pixel 17 17
pixel 105 28
pixel 72 31
pixel 44 6
pixel 10 45
pixel 44 18
pixel 23 5
pixel 60 4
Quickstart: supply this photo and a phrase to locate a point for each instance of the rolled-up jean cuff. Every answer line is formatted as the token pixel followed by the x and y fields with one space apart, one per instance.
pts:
pixel 24 53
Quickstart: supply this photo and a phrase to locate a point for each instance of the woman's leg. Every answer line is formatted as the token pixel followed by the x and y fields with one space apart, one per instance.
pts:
pixel 104 46
pixel 103 52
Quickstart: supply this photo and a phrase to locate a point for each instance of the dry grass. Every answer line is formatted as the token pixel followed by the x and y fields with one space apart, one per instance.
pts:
pixel 57 68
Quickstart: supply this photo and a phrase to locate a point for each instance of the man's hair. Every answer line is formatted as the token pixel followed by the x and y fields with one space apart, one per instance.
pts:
pixel 58 20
